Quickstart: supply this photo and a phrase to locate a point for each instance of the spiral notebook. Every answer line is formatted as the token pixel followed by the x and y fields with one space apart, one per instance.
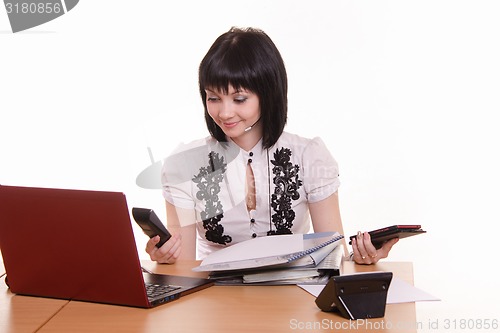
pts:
pixel 268 251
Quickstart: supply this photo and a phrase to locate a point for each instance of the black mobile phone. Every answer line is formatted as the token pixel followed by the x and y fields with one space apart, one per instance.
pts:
pixel 151 224
pixel 380 236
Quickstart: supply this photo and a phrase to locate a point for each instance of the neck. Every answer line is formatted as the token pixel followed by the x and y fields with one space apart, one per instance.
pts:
pixel 247 145
pixel 249 139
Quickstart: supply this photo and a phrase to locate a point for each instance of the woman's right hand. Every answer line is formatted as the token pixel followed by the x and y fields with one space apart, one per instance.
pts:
pixel 168 252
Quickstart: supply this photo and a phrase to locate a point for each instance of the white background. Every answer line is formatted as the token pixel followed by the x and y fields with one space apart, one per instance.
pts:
pixel 404 93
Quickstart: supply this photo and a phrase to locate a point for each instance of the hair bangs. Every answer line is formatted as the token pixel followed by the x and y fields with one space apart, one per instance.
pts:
pixel 228 70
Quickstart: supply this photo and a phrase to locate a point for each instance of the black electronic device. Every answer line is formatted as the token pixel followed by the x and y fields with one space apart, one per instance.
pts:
pixel 356 296
pixel 151 224
pixel 380 236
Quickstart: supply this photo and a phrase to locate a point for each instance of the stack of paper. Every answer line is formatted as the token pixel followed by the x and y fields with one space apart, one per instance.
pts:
pixel 283 259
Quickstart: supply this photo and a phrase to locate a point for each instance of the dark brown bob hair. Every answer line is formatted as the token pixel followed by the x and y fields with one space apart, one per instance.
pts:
pixel 247 59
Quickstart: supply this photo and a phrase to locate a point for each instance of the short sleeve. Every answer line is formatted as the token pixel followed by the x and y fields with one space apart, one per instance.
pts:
pixel 176 189
pixel 321 171
pixel 178 171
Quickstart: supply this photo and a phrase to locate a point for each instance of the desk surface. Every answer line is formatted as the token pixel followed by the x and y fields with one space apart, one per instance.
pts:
pixel 25 314
pixel 216 309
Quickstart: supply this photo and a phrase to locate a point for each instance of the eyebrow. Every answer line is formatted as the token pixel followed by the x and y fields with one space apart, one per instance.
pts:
pixel 233 93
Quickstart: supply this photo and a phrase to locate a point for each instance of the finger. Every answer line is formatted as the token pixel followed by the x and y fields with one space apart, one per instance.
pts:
pixel 370 248
pixel 151 245
pixel 356 255
pixel 165 254
pixel 362 247
pixel 176 255
pixel 175 246
pixel 359 251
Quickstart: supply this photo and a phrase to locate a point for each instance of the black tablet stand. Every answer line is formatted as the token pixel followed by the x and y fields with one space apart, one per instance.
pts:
pixel 356 296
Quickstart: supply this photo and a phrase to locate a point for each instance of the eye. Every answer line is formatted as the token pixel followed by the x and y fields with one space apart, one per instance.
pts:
pixel 212 99
pixel 240 99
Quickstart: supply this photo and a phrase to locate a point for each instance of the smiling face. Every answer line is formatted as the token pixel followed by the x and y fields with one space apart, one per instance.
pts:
pixel 237 113
pixel 245 75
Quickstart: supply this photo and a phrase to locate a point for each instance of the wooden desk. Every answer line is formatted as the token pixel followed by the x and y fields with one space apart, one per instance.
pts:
pixel 25 314
pixel 232 309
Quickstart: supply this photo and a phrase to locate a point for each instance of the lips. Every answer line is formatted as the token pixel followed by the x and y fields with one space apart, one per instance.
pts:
pixel 230 125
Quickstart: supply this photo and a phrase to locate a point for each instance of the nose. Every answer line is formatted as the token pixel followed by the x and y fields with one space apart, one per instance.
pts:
pixel 226 110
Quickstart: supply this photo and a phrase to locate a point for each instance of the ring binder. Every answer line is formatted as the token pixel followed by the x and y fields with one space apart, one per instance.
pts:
pixel 298 255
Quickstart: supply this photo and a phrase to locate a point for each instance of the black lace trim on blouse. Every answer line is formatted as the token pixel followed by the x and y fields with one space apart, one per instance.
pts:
pixel 208 182
pixel 287 182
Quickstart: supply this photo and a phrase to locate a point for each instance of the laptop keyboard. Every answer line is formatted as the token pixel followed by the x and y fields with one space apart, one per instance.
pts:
pixel 155 290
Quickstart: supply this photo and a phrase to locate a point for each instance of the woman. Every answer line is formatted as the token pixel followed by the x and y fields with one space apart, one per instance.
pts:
pixel 249 178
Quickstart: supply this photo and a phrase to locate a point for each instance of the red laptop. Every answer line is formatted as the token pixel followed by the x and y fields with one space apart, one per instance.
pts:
pixel 78 245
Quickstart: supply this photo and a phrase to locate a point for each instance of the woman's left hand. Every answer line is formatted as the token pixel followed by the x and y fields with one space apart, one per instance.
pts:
pixel 364 251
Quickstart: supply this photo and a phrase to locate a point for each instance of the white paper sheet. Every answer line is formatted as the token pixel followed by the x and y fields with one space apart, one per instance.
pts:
pixel 399 292
pixel 257 248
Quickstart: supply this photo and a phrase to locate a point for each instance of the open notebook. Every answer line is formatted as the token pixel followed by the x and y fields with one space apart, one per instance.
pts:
pixel 294 249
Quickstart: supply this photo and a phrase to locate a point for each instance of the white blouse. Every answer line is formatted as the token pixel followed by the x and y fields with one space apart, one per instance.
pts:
pixel 210 177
